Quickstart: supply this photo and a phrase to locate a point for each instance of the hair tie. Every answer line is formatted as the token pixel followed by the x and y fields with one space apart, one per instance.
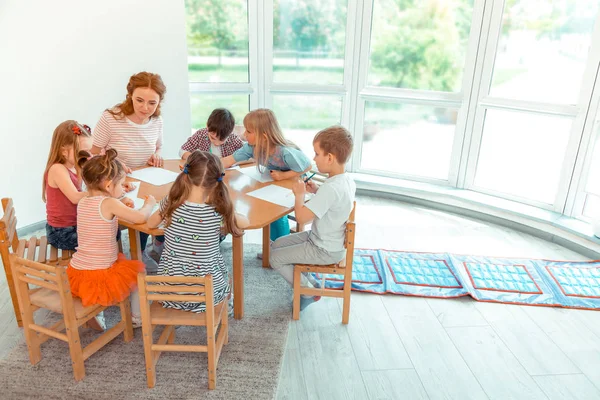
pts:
pixel 185 169
pixel 76 130
pixel 220 178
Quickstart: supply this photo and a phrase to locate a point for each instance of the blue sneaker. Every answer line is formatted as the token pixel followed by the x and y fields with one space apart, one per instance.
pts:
pixel 306 301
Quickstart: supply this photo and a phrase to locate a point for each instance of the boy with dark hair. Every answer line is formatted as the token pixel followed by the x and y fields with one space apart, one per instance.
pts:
pixel 329 209
pixel 216 138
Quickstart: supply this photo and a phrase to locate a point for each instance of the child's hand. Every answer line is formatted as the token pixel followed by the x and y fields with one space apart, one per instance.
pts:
pixel 128 202
pixel 150 200
pixel 311 186
pixel 298 188
pixel 128 186
pixel 277 175
pixel 155 160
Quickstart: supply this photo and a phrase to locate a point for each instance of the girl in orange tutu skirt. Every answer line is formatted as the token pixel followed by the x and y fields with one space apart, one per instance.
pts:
pixel 98 273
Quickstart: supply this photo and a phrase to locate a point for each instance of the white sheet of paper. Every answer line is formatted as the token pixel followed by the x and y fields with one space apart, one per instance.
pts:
pixel 137 202
pixel 255 174
pixel 277 195
pixel 154 176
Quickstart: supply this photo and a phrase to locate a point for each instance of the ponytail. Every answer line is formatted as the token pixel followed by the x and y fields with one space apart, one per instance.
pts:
pixel 221 200
pixel 178 194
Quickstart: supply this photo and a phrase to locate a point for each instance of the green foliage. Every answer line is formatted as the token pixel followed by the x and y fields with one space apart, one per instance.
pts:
pixel 420 44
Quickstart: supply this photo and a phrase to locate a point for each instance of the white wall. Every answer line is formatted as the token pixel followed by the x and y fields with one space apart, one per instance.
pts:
pixel 71 59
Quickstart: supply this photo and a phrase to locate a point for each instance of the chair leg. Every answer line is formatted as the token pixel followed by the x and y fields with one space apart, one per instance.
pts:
pixel 296 303
pixel 75 349
pixel 171 338
pixel 125 307
pixel 147 338
pixel 347 291
pixel 11 288
pixel 212 368
pixel 225 326
pixel 26 313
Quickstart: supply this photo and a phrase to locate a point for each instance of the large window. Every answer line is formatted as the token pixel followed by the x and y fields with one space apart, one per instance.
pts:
pixel 408 139
pixel 302 116
pixel 497 97
pixel 217 40
pixel 543 49
pixel 309 37
pixel 202 105
pixel 522 154
pixel 418 44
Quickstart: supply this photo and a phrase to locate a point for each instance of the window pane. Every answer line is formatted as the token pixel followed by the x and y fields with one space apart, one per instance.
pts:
pixel 522 154
pixel 309 37
pixel 408 139
pixel 592 187
pixel 543 49
pixel 302 116
pixel 217 40
pixel 419 44
pixel 203 104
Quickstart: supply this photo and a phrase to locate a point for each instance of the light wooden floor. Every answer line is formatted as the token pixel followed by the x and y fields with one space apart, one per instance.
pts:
pixel 398 347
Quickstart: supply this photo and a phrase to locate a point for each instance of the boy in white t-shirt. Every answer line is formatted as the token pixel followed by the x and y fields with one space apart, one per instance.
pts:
pixel 329 209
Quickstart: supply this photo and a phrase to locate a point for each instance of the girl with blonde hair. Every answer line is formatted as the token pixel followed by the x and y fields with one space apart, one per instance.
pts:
pixel 271 150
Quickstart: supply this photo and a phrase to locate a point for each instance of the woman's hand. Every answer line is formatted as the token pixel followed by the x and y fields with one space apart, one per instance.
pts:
pixel 128 187
pixel 155 160
pixel 128 202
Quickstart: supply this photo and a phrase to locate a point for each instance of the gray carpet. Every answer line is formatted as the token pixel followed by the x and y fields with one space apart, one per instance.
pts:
pixel 249 365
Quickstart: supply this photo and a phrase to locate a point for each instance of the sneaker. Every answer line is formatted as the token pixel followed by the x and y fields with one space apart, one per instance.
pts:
pixel 98 323
pixel 306 301
pixel 136 322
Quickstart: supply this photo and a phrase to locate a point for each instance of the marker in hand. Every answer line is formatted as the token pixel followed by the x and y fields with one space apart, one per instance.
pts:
pixel 309 178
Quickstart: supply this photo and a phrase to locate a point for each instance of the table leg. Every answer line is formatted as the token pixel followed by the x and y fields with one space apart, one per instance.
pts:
pixel 238 277
pixel 266 246
pixel 134 244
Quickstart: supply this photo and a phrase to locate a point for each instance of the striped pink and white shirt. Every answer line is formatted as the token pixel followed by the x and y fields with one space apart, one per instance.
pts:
pixel 96 236
pixel 135 143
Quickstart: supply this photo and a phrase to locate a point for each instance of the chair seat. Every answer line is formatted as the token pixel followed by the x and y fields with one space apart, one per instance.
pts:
pixel 324 269
pixel 160 315
pixel 50 299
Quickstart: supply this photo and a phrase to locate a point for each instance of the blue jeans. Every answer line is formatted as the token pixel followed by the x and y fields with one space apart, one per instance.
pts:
pixel 66 238
pixel 62 238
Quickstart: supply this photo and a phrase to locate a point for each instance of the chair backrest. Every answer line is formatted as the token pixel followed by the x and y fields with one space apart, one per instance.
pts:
pixel 349 237
pixel 177 288
pixel 27 272
pixel 8 227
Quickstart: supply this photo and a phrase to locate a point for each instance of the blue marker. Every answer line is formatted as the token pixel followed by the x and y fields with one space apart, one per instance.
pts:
pixel 307 179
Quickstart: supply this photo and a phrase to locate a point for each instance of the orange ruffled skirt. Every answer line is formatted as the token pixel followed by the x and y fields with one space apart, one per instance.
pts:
pixel 105 286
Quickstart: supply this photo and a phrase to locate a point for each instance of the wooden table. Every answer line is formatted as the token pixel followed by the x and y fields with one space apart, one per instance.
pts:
pixel 260 214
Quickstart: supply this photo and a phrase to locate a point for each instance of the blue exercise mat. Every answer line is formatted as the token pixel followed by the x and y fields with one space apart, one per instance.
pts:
pixel 572 284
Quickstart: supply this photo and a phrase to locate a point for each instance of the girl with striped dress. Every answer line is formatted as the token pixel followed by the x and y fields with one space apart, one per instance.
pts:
pixel 195 210
pixel 98 273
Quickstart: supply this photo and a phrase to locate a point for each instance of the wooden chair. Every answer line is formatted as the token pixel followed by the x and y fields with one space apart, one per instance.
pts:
pixel 9 240
pixel 344 268
pixel 53 293
pixel 174 288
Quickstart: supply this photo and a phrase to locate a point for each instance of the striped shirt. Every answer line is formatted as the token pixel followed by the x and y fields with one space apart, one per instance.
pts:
pixel 135 143
pixel 192 249
pixel 95 235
